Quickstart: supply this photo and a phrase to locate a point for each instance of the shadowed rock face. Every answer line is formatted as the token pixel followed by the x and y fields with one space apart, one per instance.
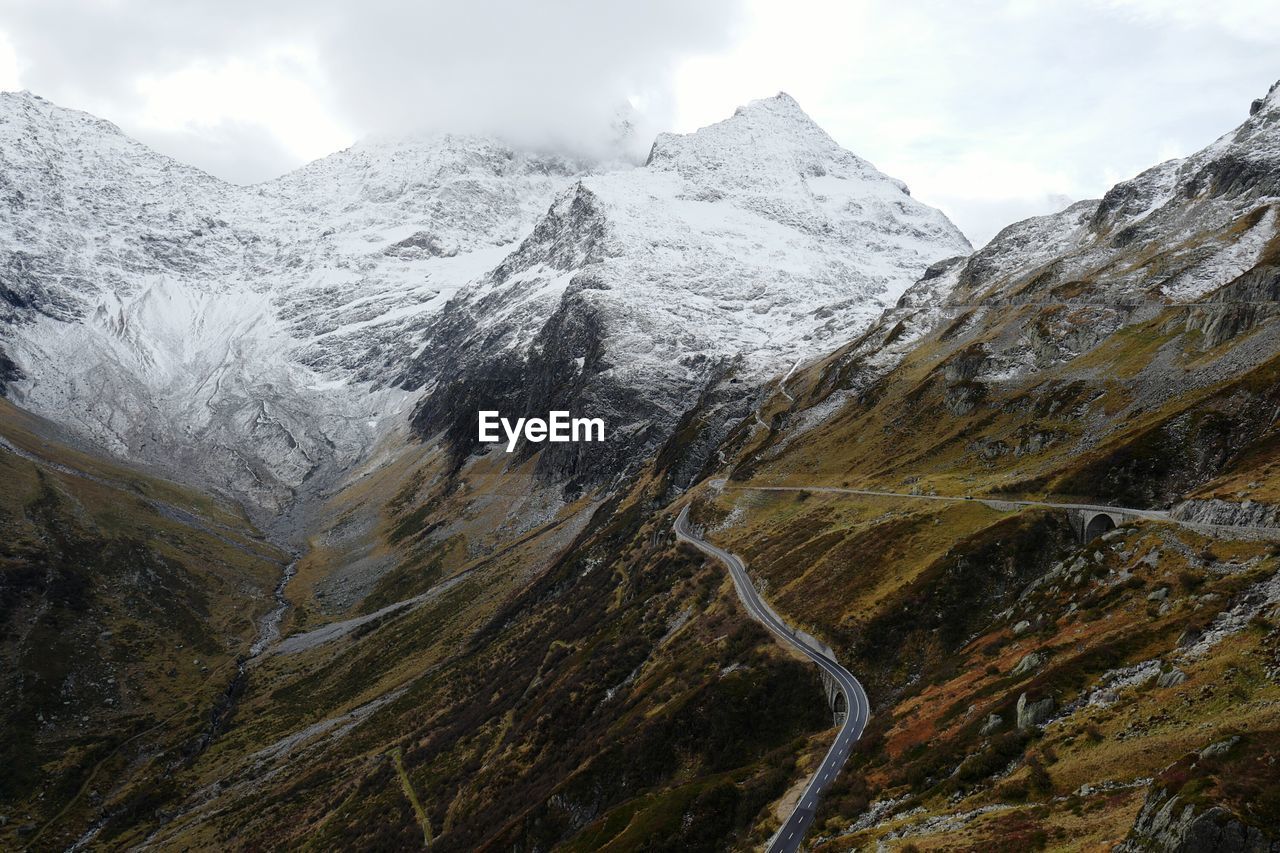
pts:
pixel 553 376
pixel 567 368
pixel 1171 824
pixel 9 371
pixel 1030 714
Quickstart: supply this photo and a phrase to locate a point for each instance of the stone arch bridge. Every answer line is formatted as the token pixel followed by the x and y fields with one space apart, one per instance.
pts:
pixel 836 700
pixel 1088 523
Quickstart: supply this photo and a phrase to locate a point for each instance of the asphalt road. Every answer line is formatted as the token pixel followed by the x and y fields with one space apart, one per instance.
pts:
pixel 793 831
pixel 1228 530
pixel 997 503
pixel 792 834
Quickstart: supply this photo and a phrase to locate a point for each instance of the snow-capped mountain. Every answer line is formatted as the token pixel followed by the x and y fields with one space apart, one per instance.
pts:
pixel 249 337
pixel 226 333
pixel 1199 232
pixel 1189 208
pixel 735 252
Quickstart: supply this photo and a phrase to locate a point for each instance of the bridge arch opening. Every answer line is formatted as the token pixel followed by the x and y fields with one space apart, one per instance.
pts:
pixel 1098 525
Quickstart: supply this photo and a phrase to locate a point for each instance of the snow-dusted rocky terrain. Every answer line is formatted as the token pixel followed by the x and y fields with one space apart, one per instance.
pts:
pixel 249 337
pixel 1200 231
pixel 1189 208
pixel 730 255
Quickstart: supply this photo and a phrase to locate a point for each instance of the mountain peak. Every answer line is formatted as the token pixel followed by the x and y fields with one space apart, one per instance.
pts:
pixel 29 102
pixel 781 104
pixel 774 131
pixel 1267 102
pixel 22 95
pixel 780 114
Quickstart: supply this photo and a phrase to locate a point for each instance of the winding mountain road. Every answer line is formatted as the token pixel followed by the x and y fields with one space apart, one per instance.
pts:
pixel 994 503
pixel 1229 530
pixel 792 833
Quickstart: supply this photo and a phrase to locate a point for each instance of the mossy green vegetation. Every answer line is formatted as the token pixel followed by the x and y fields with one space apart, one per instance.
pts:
pixel 124 602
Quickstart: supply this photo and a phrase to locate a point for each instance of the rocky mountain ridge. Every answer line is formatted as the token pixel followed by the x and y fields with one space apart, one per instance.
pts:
pixel 735 252
pixel 256 339
pixel 1183 237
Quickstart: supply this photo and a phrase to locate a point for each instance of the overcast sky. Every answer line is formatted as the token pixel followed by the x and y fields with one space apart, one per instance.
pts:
pixel 993 111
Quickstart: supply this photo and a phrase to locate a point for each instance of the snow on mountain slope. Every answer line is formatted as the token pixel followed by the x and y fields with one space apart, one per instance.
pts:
pixel 251 337
pixel 86 210
pixel 1199 234
pixel 217 330
pixel 194 382
pixel 764 233
pixel 740 249
pixel 1210 217
pixel 385 232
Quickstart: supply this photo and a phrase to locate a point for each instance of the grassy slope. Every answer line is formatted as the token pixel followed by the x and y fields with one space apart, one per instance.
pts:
pixel 602 698
pixel 919 598
pixel 125 601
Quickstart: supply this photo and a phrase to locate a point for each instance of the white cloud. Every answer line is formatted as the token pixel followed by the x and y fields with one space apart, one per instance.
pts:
pixel 991 110
pixel 997 110
pixel 312 75
pixel 9 72
pixel 278 90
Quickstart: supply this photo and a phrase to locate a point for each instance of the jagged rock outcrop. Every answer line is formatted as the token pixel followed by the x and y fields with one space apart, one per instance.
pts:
pixel 1170 824
pixel 1031 714
pixel 9 372
pixel 1230 513
pixel 1030 662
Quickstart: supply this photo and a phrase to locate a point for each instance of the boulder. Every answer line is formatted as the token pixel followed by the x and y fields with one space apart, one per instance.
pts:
pixel 1222 747
pixel 1189 637
pixel 994 722
pixel 1030 663
pixel 1033 713
pixel 1172 678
